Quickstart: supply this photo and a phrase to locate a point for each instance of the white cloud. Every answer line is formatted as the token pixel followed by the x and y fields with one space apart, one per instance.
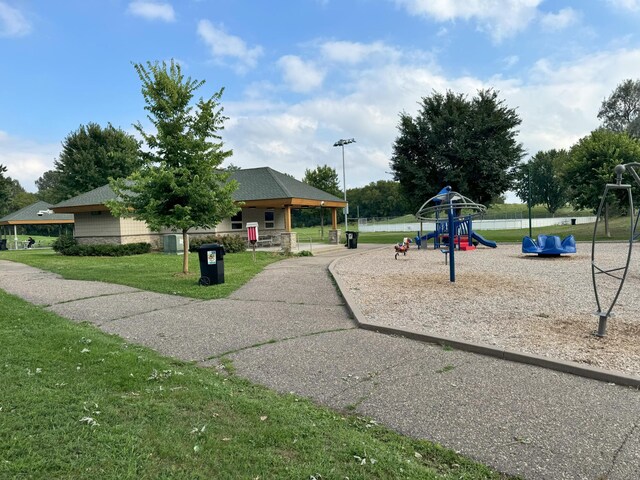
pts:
pixel 557 102
pixel 354 52
pixel 628 5
pixel 511 61
pixel 223 45
pixel 152 10
pixel 301 76
pixel 500 18
pixel 561 20
pixel 25 160
pixel 12 22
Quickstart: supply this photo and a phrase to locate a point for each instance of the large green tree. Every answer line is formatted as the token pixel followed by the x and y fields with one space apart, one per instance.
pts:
pixel 90 156
pixel 544 173
pixel 12 196
pixel 181 184
pixel 469 144
pixel 591 163
pixel 383 198
pixel 620 112
pixel 324 178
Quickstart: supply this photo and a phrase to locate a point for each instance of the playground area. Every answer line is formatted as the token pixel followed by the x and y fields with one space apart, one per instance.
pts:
pixel 502 298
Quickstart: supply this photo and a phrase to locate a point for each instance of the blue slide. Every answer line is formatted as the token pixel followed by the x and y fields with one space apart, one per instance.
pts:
pixel 483 240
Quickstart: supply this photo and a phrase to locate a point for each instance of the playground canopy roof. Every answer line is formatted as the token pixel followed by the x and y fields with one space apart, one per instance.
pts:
pixel 29 216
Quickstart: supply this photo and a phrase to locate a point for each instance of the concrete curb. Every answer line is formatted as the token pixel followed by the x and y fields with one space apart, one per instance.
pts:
pixel 530 359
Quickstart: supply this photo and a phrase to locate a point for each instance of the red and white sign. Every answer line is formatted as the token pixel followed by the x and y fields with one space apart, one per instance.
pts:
pixel 252 231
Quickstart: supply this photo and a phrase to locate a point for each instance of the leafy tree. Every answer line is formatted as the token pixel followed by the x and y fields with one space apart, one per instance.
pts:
pixel 591 164
pixel 468 144
pixel 545 170
pixel 5 192
pixel 621 111
pixel 48 186
pixel 12 196
pixel 383 198
pixel 181 185
pixel 324 178
pixel 90 156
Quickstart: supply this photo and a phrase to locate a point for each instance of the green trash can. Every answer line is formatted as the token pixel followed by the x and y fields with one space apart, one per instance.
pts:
pixel 352 239
pixel 211 256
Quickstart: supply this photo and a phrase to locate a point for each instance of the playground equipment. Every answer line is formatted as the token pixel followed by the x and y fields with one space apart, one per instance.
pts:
pixel 464 211
pixel 549 245
pixel 619 272
pixel 453 214
pixel 402 248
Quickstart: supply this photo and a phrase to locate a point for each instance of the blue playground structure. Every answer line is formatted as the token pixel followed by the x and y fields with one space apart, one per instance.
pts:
pixel 464 237
pixel 549 245
pixel 452 214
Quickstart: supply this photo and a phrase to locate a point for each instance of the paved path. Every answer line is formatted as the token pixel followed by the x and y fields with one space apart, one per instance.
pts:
pixel 289 329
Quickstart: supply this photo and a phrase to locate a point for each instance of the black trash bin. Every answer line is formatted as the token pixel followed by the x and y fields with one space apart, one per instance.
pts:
pixel 211 256
pixel 352 239
pixel 3 244
pixel 573 221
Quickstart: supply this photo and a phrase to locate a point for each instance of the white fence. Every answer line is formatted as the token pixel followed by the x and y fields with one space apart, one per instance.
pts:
pixel 499 224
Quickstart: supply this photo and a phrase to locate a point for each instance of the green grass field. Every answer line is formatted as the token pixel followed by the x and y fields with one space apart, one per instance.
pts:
pixel 156 272
pixel 619 229
pixel 77 403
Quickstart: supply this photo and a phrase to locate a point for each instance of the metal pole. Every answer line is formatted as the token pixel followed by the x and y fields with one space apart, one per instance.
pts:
pixel 452 263
pixel 529 201
pixel 344 184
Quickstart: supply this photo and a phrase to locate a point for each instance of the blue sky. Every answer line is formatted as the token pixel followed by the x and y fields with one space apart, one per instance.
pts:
pixel 301 74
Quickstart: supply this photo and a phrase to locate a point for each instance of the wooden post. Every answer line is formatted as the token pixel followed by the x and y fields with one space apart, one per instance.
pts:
pixel 334 218
pixel 287 218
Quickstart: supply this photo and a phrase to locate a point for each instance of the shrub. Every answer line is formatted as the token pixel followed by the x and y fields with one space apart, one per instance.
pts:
pixel 231 243
pixel 64 242
pixel 105 250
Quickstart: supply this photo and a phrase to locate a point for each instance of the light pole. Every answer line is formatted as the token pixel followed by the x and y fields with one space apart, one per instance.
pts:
pixel 341 143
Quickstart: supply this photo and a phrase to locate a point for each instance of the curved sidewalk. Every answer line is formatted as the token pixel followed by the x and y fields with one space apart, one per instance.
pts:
pixel 290 330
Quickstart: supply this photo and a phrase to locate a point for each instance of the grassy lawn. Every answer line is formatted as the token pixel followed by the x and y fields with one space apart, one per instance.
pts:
pixel 77 403
pixel 619 228
pixel 156 272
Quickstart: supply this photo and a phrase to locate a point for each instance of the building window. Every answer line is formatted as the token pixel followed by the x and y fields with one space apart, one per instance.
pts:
pixel 269 219
pixel 236 221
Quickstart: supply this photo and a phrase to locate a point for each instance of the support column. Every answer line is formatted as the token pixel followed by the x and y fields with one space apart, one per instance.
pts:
pixel 334 233
pixel 289 241
pixel 287 218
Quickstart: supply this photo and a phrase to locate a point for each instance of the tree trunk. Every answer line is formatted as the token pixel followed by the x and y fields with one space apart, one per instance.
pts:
pixel 606 219
pixel 185 256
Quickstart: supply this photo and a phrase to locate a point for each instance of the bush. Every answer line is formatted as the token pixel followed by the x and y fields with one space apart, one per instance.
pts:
pixel 231 243
pixel 64 242
pixel 104 250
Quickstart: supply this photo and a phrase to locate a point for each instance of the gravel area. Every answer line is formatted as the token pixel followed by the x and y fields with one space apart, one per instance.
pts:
pixel 502 298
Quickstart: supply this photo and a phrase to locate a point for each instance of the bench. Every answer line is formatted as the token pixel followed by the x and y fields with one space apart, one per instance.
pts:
pixel 267 241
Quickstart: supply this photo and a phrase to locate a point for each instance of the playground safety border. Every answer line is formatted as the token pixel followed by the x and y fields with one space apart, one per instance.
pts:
pixel 573 368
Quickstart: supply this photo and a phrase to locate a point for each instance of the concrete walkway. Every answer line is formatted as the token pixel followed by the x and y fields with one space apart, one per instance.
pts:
pixel 289 329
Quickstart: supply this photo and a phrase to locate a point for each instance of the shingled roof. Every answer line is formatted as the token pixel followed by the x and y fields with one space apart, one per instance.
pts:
pixel 29 216
pixel 264 183
pixel 261 184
